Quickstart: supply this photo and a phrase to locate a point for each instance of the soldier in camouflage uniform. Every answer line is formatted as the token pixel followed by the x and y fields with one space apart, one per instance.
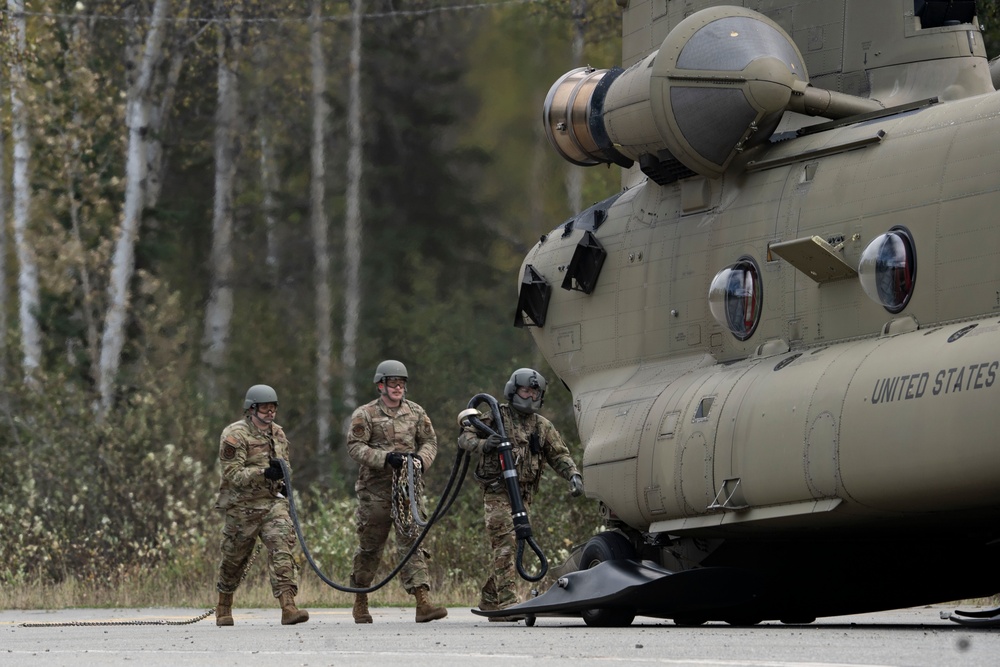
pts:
pixel 381 433
pixel 535 441
pixel 252 495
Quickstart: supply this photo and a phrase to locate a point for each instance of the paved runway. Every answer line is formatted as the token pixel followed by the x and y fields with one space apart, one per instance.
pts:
pixel 910 638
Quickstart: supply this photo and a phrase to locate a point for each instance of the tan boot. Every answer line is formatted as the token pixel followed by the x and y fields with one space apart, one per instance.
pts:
pixel 224 610
pixel 290 614
pixel 360 610
pixel 426 611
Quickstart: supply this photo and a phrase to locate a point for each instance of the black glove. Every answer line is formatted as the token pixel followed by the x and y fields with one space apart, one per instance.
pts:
pixel 274 471
pixel 491 443
pixel 576 486
pixel 395 459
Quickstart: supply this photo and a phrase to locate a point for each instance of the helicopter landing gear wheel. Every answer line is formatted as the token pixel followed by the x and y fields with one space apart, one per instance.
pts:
pixel 600 548
pixel 529 620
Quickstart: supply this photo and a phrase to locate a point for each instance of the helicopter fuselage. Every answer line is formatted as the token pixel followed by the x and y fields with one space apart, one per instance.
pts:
pixel 786 358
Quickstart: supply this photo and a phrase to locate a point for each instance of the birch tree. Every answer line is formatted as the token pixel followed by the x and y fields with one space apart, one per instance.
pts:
pixel 267 126
pixel 3 254
pixel 166 82
pixel 269 182
pixel 219 311
pixel 123 262
pixel 352 220
pixel 27 270
pixel 320 234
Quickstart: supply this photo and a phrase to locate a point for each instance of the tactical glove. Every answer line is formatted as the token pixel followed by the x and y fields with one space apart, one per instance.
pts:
pixel 395 459
pixel 576 485
pixel 274 471
pixel 491 443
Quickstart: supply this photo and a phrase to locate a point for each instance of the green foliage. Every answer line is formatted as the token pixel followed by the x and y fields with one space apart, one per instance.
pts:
pixel 98 502
pixel 457 544
pixel 989 18
pixel 117 505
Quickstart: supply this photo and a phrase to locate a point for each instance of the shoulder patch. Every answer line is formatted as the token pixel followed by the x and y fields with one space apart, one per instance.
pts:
pixel 228 452
pixel 358 430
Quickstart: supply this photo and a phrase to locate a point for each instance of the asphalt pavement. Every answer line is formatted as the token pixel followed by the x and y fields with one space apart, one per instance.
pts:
pixel 907 638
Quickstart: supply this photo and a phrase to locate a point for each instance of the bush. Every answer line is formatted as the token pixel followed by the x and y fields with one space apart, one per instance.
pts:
pixel 120 512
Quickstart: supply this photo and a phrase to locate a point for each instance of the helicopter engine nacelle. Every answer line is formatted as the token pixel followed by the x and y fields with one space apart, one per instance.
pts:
pixel 717 86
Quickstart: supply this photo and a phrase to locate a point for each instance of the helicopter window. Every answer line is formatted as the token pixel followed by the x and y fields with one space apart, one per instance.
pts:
pixel 937 13
pixel 888 269
pixel 704 407
pixel 735 298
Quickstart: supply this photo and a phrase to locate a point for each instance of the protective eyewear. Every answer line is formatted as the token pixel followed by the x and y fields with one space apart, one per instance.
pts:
pixel 529 392
pixel 396 383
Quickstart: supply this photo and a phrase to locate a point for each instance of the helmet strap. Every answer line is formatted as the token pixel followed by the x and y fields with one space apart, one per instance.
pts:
pixel 384 392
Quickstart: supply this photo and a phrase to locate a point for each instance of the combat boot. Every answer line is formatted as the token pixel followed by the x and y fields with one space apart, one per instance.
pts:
pixel 224 610
pixel 360 610
pixel 426 611
pixel 290 614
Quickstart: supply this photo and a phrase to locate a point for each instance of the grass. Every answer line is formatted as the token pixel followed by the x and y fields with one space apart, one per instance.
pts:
pixel 157 589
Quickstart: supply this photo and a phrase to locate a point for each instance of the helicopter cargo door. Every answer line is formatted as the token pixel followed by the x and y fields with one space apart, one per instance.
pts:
pixel 680 458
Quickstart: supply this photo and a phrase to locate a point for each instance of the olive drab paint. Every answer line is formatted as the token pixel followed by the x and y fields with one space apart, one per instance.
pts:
pixel 785 327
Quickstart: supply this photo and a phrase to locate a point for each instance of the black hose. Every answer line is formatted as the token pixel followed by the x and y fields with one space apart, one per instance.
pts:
pixel 522 527
pixel 461 462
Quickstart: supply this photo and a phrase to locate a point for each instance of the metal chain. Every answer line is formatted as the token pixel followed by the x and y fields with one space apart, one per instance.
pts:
pixel 402 494
pixel 77 624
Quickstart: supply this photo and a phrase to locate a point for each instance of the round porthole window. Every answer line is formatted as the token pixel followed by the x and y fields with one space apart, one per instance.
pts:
pixel 735 298
pixel 888 269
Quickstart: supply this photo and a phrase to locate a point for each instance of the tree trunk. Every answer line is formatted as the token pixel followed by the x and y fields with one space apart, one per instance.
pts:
pixel 352 221
pixel 321 249
pixel 123 261
pixel 269 183
pixel 27 272
pixel 219 311
pixel 3 258
pixel 268 162
pixel 160 115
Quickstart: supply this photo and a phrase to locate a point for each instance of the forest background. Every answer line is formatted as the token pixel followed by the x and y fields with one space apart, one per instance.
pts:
pixel 201 195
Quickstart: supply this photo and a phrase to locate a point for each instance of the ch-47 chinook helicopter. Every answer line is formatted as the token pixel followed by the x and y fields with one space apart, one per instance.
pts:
pixel 782 417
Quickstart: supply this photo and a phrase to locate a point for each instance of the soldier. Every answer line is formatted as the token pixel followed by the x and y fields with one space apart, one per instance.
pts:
pixel 252 494
pixel 381 432
pixel 535 441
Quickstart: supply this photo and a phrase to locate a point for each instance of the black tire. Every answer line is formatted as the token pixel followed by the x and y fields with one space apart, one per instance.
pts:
pixel 600 548
pixel 605 546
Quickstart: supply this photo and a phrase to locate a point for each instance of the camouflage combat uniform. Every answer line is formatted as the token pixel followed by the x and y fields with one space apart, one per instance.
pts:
pixel 375 431
pixel 254 506
pixel 535 441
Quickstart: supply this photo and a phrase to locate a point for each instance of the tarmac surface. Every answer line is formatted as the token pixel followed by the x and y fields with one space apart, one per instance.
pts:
pixel 907 638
